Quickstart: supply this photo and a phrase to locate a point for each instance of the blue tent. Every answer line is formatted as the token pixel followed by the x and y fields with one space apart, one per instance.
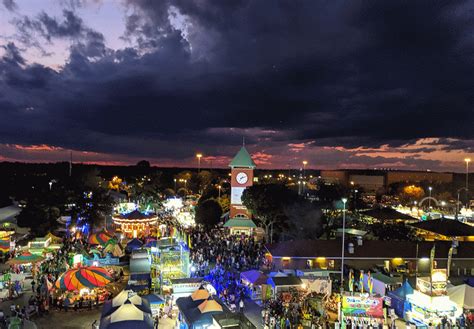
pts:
pixel 154 299
pixel 133 245
pixel 398 298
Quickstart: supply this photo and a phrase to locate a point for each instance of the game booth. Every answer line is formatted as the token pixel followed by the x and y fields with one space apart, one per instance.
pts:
pixel 363 310
pixel 253 280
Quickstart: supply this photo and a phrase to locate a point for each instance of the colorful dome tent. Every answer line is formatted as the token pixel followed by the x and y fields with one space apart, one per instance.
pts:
pixel 5 245
pixel 210 305
pixel 83 277
pixel 101 238
pixel 127 316
pixel 25 258
pixel 113 248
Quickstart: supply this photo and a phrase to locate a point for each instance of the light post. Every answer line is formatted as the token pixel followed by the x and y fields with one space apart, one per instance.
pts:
pixel 185 186
pixel 50 185
pixel 304 168
pixel 174 185
pixel 457 203
pixel 344 200
pixel 199 156
pixel 467 160
pixel 355 200
pixel 429 200
pixel 219 187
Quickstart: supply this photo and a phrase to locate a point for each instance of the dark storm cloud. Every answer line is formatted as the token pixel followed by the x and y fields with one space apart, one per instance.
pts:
pixel 365 73
pixel 10 5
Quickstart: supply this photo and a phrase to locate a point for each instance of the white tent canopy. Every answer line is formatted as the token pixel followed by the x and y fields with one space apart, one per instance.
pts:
pixel 127 312
pixel 462 295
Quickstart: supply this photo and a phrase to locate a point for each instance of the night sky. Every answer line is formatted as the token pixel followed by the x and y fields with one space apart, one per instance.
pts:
pixel 342 84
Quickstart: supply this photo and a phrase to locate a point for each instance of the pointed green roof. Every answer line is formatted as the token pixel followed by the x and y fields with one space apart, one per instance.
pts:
pixel 242 159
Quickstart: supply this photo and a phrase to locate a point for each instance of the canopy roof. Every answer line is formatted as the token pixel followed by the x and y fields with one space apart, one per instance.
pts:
pixel 242 160
pixel 240 222
pixel 25 258
pixel 135 215
pixel 403 291
pixel 254 277
pixel 127 316
pixel 210 305
pixel 83 277
pixel 200 294
pixel 387 213
pixel 462 295
pixel 285 281
pixel 446 227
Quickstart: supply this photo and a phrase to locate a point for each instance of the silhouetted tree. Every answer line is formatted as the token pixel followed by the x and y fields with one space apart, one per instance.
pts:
pixel 208 213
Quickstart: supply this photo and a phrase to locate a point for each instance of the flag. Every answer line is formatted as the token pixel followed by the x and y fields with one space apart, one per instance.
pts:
pixel 351 280
pixel 361 281
pixel 370 282
pixel 432 256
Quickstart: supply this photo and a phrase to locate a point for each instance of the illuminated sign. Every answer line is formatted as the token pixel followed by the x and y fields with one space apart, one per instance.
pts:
pixel 362 305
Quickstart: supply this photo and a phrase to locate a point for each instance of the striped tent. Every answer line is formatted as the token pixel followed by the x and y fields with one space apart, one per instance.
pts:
pixel 25 258
pixel 83 277
pixel 101 238
pixel 4 245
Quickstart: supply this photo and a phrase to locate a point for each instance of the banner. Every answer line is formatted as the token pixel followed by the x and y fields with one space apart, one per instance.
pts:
pixel 363 306
pixel 450 259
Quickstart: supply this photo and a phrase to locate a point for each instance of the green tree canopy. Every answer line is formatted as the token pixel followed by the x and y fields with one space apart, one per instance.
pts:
pixel 208 213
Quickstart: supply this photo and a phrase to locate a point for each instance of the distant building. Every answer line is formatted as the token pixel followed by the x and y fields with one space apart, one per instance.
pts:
pixel 372 180
pixel 326 255
pixel 417 176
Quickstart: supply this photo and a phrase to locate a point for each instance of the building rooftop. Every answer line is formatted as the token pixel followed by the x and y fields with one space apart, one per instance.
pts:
pixel 242 160
pixel 446 227
pixel 387 213
pixel 370 249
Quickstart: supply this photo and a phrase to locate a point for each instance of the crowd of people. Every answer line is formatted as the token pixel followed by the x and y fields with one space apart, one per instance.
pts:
pixel 291 310
pixel 219 258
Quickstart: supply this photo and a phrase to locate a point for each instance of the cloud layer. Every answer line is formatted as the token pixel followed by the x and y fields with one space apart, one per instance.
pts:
pixel 366 84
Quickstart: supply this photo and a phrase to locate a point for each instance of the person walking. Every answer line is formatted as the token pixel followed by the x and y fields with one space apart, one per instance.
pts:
pixel 241 305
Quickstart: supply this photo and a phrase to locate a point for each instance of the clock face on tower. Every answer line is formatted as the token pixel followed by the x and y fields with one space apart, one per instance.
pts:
pixel 241 178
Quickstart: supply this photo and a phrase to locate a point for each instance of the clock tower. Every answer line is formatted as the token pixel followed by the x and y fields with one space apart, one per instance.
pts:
pixel 242 167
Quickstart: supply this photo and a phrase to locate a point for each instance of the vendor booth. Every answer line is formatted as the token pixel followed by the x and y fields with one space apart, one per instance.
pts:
pixel 463 296
pixel 127 316
pixel 195 311
pixel 396 299
pixel 284 284
pixel 381 283
pixel 253 280
pixel 362 309
pixel 430 302
pixel 124 297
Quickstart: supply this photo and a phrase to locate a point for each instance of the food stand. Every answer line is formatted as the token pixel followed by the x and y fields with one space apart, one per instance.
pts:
pixel 429 303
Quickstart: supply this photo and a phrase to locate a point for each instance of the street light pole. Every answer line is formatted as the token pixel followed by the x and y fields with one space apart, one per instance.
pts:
pixel 467 160
pixel 219 187
pixel 429 200
pixel 344 200
pixel 175 185
pixel 304 168
pixel 199 156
